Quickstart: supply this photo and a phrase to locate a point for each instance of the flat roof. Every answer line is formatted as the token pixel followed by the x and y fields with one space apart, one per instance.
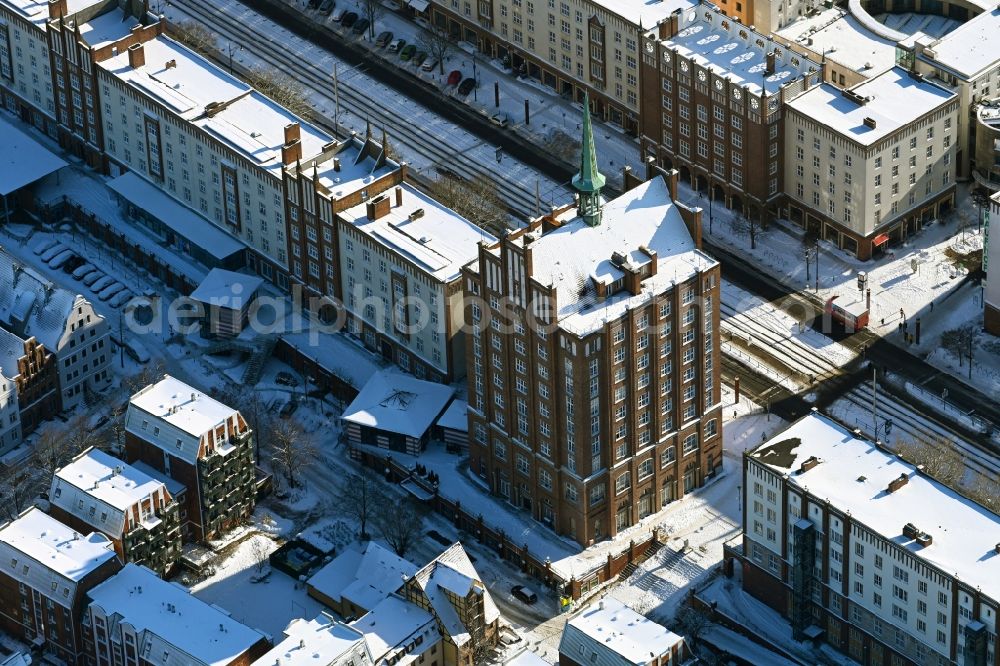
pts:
pixel 226 289
pixel 53 546
pixel 896 100
pixel 569 256
pixel 710 39
pixel 349 169
pixel 108 27
pixel 182 406
pixel 399 403
pixel 646 13
pixel 853 475
pixel 843 39
pixel 436 238
pixel 174 619
pixel 22 159
pixel 972 47
pixel 249 123
pixel 182 220
pixel 615 627
pixel 316 642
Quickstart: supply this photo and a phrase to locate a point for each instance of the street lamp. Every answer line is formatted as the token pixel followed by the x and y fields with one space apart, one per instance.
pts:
pixel 229 47
pixel 475 77
pixel 981 200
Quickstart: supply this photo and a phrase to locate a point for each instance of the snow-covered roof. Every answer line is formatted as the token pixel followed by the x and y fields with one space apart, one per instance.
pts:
pixel 453 571
pixel 173 627
pixel 33 306
pixel 526 658
pixel 435 238
pixel 574 254
pixel 174 487
pixel 894 100
pixel 364 575
pixel 356 168
pixel 11 349
pixel 393 624
pixel 971 48
pixel 399 403
pixel 184 221
pixel 843 39
pixel 322 641
pixel 610 633
pixel 16 659
pixel 108 27
pixel 48 556
pixel 184 82
pixel 336 353
pixel 734 51
pixel 456 417
pixel 644 12
pixel 174 416
pixel 37 11
pixel 853 475
pixel 227 289
pixel 22 159
pixel 99 489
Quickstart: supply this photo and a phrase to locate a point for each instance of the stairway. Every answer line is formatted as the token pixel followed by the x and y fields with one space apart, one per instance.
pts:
pixel 258 356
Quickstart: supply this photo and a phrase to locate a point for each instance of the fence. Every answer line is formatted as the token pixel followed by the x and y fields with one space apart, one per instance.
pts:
pixel 495 538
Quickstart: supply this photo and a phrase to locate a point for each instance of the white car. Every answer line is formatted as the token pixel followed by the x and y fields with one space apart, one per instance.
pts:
pixel 395 44
pixel 53 251
pixel 102 284
pixel 44 245
pixel 121 298
pixel 111 290
pixel 60 259
pixel 92 278
pixel 83 271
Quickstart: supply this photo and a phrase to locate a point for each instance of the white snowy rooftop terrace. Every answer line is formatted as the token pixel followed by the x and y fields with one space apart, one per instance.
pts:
pixel 972 47
pixel 853 475
pixel 182 406
pixel 843 39
pixel 108 479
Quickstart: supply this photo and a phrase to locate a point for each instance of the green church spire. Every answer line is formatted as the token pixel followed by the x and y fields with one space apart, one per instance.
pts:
pixel 589 181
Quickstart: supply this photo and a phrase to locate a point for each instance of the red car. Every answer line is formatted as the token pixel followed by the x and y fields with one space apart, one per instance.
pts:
pixel 454 78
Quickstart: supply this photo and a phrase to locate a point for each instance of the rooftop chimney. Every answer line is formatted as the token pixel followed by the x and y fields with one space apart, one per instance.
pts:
pixel 291 153
pixel 336 164
pixel 399 196
pixel 869 122
pixel 769 68
pixel 57 8
pixel 898 483
pixel 377 207
pixel 136 56
pixel 292 133
pixel 808 464
pixel 170 64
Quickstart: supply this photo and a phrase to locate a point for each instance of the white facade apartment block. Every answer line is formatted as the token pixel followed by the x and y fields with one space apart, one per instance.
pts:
pixel 206 138
pixel 24 54
pixel 916 599
pixel 867 156
pixel 83 353
pixel 10 415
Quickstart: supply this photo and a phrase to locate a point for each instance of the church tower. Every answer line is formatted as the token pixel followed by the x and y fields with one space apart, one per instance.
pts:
pixel 589 181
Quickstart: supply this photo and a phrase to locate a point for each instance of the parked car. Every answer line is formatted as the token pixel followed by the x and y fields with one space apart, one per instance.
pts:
pixel 121 298
pixel 466 86
pixel 429 64
pixel 288 408
pixel 90 279
pixel 361 26
pixel 407 52
pixel 111 290
pixel 524 594
pixel 45 245
pixel 348 19
pixel 60 259
pixel 383 38
pixel 83 271
pixel 326 7
pixel 418 58
pixel 52 252
pixel 338 15
pixel 396 45
pixel 285 379
pixel 454 78
pixel 101 284
pixel 137 351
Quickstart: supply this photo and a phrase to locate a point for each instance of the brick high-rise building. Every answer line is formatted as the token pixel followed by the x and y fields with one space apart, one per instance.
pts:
pixel 593 360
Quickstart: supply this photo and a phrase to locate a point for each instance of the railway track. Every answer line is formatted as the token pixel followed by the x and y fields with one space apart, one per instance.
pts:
pixel 450 152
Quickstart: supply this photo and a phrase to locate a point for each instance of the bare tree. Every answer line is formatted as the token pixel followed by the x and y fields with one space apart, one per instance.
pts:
pixel 985 490
pixel 194 35
pixel 360 497
pixel 52 451
pixel 247 401
pixel 373 11
pixel 745 225
pixel 476 200
pixel 691 622
pixel 79 436
pixel 117 425
pixel 400 523
pixel 285 91
pixel 962 342
pixel 940 459
pixel 149 374
pixel 292 450
pixel 258 550
pixel 437 43
pixel 19 485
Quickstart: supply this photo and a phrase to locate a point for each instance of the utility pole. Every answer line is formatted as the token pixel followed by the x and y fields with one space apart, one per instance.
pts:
pixel 336 101
pixel 875 399
pixel 121 339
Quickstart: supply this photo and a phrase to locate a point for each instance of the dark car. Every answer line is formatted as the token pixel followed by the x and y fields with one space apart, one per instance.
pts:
pixel 454 77
pixel 419 58
pixel 326 7
pixel 383 38
pixel 360 27
pixel 73 263
pixel 407 52
pixel 466 86
pixel 349 19
pixel 524 594
pixel 285 379
pixel 288 408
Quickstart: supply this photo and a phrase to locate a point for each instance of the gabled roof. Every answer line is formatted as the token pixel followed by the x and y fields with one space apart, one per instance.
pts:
pixel 398 403
pixel 452 571
pixel 395 623
pixel 22 159
pixel 99 489
pixel 33 306
pixel 227 289
pixel 173 626
pixel 611 634
pixel 174 416
pixel 322 641
pixel 48 556
pixel 364 575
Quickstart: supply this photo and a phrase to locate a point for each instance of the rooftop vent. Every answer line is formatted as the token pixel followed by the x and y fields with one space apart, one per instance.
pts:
pixel 862 478
pixel 910 531
pixel 617 259
pixel 924 539
pixel 170 64
pixel 897 483
pixel 808 464
pixel 869 122
pixel 996 549
pixel 417 214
